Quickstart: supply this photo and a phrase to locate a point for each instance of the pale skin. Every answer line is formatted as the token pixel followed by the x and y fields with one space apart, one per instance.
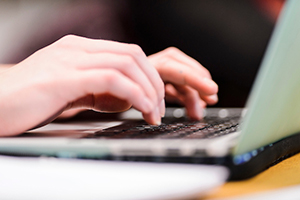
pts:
pixel 77 73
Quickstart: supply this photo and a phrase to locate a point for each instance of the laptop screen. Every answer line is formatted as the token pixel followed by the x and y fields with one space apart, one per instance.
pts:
pixel 274 103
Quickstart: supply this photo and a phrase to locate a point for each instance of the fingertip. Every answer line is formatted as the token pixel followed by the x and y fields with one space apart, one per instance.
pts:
pixel 195 112
pixel 153 117
pixel 214 99
pixel 162 108
pixel 199 111
pixel 157 116
pixel 213 87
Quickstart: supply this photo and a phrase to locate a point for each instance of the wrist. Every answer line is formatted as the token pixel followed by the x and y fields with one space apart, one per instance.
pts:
pixel 4 67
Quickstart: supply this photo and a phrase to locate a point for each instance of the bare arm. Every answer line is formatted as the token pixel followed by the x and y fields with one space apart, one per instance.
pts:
pixel 78 72
pixel 105 76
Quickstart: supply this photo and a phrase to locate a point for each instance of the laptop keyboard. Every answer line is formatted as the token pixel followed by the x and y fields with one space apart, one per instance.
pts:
pixel 171 128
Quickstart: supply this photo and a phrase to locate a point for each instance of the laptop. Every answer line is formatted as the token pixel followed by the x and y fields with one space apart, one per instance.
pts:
pixel 247 141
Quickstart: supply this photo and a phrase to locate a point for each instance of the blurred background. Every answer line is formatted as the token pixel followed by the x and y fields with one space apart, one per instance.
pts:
pixel 227 37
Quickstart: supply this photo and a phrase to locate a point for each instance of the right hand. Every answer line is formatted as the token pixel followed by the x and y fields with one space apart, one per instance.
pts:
pixel 77 72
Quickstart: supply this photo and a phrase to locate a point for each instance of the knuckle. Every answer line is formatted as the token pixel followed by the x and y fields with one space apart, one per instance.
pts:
pixel 128 62
pixel 135 91
pixel 67 40
pixel 136 49
pixel 111 77
pixel 208 74
pixel 172 50
pixel 164 63
pixel 69 37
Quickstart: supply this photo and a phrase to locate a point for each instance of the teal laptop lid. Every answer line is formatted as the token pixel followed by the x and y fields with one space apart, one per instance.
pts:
pixel 274 104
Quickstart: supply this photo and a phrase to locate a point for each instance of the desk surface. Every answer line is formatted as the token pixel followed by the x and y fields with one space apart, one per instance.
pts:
pixel 284 174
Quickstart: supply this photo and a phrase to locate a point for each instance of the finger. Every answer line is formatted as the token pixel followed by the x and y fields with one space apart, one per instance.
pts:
pixel 191 100
pixel 100 46
pixel 103 102
pixel 123 63
pixel 172 95
pixel 109 103
pixel 211 99
pixel 70 113
pixel 154 117
pixel 177 55
pixel 179 74
pixel 115 83
pixel 174 54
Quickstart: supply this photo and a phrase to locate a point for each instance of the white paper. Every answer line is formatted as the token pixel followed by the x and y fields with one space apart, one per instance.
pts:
pixel 51 178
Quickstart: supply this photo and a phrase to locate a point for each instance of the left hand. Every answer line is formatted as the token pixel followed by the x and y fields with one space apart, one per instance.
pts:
pixel 186 80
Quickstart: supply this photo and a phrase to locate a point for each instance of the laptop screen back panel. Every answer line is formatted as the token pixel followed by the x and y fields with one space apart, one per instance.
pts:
pixel 274 104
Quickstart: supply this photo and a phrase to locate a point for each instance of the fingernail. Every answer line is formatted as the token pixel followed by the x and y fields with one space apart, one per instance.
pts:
pixel 211 83
pixel 162 108
pixel 157 117
pixel 147 105
pixel 214 98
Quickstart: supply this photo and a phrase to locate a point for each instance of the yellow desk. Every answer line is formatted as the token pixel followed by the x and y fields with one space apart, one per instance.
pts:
pixel 285 173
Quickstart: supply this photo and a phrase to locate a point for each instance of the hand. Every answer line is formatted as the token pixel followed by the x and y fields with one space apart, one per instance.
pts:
pixel 186 80
pixel 78 72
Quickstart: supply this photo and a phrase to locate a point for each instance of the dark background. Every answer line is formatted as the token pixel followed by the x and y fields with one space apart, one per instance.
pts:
pixel 227 37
